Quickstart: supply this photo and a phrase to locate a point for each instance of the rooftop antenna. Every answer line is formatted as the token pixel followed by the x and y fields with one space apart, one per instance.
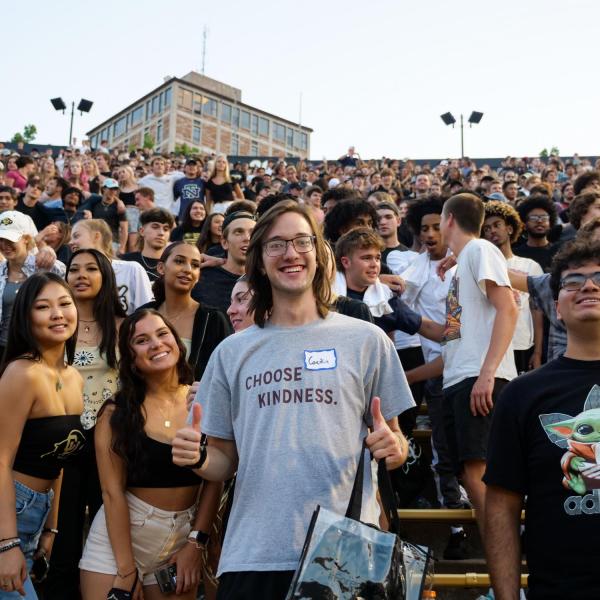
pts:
pixel 204 36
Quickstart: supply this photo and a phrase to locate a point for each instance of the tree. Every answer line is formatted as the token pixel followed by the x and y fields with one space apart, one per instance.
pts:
pixel 148 141
pixel 28 135
pixel 554 151
pixel 29 132
pixel 544 153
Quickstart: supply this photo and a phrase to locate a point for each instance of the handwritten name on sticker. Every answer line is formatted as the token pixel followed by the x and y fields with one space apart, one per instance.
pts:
pixel 320 360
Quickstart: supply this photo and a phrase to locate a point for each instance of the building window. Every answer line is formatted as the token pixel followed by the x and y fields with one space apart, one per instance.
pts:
pixel 198 102
pixel 254 149
pixel 278 132
pixel 154 109
pixel 137 115
pixel 290 137
pixel 197 132
pixel 263 127
pixel 159 132
pixel 210 108
pixel 147 110
pixel 226 113
pixel 303 141
pixel 168 93
pixel 185 99
pixel 254 127
pixel 160 102
pixel 120 127
pixel 235 144
pixel 245 120
pixel 297 142
pixel 235 117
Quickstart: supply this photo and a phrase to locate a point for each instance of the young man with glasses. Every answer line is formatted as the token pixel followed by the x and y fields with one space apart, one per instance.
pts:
pixel 538 214
pixel 544 449
pixel 287 403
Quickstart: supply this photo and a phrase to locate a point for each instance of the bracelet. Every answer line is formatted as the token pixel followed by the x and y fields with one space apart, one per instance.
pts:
pixel 202 459
pixel 51 530
pixel 9 539
pixel 10 546
pixel 125 575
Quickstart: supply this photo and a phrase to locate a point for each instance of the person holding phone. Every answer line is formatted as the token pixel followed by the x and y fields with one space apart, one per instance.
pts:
pixel 40 430
pixel 147 540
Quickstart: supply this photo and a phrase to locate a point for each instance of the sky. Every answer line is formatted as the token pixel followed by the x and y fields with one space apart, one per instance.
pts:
pixel 376 75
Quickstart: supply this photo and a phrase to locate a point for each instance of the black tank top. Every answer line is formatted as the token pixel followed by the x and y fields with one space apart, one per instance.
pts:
pixel 47 444
pixel 159 470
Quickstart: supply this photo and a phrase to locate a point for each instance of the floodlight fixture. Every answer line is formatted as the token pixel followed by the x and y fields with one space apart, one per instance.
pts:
pixel 448 118
pixel 58 104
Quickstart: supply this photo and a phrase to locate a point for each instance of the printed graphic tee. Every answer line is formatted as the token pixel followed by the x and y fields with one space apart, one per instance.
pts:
pixel 545 444
pixel 295 400
pixel 470 315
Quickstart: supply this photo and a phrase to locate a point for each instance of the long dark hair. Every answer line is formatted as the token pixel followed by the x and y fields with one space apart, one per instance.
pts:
pixel 107 306
pixel 158 287
pixel 205 240
pixel 21 341
pixel 128 418
pixel 186 222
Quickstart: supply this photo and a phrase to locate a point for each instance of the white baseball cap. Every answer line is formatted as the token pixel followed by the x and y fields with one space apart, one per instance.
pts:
pixel 13 225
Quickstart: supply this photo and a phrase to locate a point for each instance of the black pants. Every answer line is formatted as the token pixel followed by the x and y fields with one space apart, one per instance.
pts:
pixel 445 479
pixel 411 358
pixel 254 585
pixel 80 489
pixel 522 358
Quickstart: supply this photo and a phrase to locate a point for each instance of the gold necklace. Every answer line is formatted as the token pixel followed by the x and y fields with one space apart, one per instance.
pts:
pixel 86 328
pixel 167 419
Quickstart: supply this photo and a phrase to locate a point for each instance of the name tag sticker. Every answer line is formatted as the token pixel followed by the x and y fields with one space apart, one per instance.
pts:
pixel 320 360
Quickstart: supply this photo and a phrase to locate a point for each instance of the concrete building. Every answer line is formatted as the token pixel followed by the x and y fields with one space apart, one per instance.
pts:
pixel 205 114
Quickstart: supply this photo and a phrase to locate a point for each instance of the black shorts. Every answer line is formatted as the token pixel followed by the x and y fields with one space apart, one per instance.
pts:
pixel 250 585
pixel 467 436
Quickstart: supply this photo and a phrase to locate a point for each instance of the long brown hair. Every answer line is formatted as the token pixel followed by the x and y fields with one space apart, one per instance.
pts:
pixel 262 298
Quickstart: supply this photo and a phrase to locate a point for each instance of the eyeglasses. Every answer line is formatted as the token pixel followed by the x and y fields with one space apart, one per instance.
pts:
pixel 575 281
pixel 538 218
pixel 302 244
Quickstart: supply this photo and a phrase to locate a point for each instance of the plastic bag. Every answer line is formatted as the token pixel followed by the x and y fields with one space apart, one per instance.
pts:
pixel 346 559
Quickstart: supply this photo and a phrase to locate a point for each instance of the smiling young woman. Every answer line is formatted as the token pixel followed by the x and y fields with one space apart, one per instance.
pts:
pixel 92 282
pixel 40 400
pixel 149 503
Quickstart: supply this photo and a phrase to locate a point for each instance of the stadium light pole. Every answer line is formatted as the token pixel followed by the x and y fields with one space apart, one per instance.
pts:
pixel 449 119
pixel 83 106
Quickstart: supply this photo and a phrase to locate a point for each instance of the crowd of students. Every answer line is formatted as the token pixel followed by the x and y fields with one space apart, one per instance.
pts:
pixel 169 324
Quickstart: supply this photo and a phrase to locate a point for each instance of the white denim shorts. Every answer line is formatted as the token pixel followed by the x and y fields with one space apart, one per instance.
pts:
pixel 155 536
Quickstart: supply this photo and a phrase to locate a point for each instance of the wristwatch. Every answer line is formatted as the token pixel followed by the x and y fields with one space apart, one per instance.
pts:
pixel 200 538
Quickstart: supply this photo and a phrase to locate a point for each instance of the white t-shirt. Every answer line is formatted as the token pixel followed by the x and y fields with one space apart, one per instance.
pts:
pixel 163 191
pixel 470 316
pixel 398 261
pixel 426 294
pixel 523 337
pixel 133 284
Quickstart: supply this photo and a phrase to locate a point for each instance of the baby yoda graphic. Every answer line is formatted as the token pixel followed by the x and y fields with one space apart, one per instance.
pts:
pixel 580 436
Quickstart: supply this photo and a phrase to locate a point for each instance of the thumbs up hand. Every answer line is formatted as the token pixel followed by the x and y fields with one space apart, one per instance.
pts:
pixel 386 442
pixel 186 443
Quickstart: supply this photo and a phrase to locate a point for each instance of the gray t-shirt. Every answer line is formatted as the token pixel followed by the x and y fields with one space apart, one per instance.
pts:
pixel 295 400
pixel 541 295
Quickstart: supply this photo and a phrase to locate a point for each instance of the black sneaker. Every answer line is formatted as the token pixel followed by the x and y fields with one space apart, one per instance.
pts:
pixel 457 547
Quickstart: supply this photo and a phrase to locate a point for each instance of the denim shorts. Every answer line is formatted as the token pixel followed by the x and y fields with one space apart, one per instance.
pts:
pixel 155 536
pixel 32 510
